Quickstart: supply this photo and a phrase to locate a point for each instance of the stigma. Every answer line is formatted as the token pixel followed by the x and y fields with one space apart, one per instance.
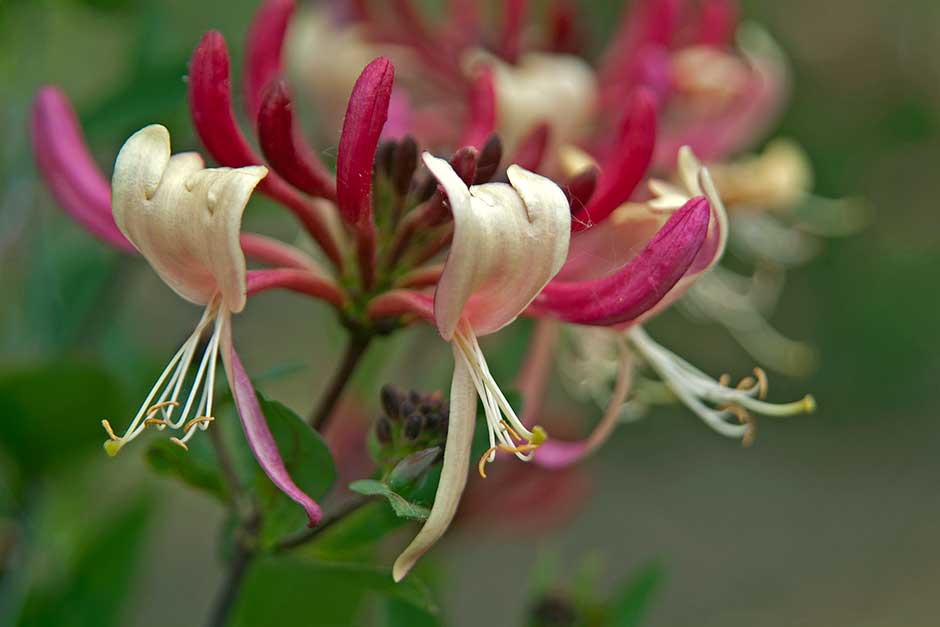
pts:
pixel 178 401
pixel 506 432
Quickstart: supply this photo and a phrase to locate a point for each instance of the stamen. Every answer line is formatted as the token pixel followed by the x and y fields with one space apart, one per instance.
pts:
pixel 155 408
pixel 524 448
pixel 107 427
pixel 762 381
pixel 724 380
pixel 171 382
pixel 180 443
pixel 713 401
pixel 199 420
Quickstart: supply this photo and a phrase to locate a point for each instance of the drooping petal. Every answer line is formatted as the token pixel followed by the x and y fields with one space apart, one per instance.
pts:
pixel 286 151
pixel 183 218
pixel 257 432
pixel 463 411
pixel 365 117
pixel 509 241
pixel 557 453
pixel 263 50
pixel 628 162
pixel 68 168
pixel 210 105
pixel 641 284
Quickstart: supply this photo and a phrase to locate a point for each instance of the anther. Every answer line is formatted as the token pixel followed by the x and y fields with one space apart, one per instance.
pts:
pixel 180 443
pixel 111 434
pixel 762 381
pixel 157 422
pixel 198 420
pixel 745 384
pixel 724 380
pixel 524 448
pixel 155 408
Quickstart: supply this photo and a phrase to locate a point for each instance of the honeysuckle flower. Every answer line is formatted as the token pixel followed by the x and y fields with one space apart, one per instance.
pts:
pixel 509 241
pixel 725 409
pixel 185 220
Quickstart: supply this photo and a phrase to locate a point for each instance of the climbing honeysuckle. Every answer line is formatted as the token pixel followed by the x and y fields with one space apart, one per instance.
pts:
pixel 509 241
pixel 185 220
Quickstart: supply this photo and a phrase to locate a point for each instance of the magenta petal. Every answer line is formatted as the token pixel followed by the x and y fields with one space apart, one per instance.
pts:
pixel 482 104
pixel 531 149
pixel 263 50
pixel 639 285
pixel 513 18
pixel 365 116
pixel 65 163
pixel 210 105
pixel 262 442
pixel 285 149
pixel 647 22
pixel 628 162
pixel 718 22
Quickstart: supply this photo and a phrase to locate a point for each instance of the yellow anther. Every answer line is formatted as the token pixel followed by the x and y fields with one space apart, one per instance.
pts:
pixel 155 408
pixel 155 421
pixel 180 442
pixel 745 384
pixel 107 427
pixel 762 381
pixel 512 432
pixel 198 420
pixel 750 434
pixel 724 380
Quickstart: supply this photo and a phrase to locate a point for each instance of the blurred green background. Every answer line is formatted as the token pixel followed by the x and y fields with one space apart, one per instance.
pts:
pixel 827 520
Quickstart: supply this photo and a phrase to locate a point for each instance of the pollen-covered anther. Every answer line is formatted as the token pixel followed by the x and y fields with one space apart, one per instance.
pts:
pixel 201 421
pixel 157 407
pixel 179 442
pixel 156 422
pixel 762 382
pixel 111 434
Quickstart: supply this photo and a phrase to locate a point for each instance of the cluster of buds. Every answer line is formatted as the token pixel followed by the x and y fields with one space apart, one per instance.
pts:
pixel 410 423
pixel 467 243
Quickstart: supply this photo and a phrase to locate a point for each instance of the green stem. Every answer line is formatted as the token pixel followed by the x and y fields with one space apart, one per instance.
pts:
pixel 355 350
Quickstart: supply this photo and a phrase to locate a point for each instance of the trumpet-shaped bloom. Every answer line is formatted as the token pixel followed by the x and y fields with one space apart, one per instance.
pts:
pixel 185 220
pixel 509 241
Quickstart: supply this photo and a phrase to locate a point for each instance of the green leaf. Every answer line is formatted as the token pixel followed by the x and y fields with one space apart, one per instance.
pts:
pixel 632 603
pixel 52 412
pixel 397 613
pixel 290 590
pixel 307 459
pixel 92 593
pixel 197 467
pixel 402 507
